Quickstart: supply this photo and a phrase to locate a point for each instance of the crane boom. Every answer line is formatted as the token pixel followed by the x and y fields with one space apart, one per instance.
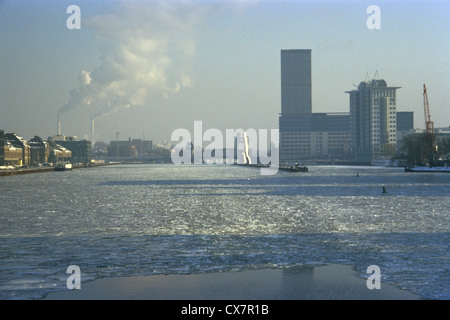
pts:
pixel 431 148
pixel 429 125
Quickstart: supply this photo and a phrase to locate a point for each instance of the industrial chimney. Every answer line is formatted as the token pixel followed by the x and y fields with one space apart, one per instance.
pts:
pixel 92 131
pixel 58 125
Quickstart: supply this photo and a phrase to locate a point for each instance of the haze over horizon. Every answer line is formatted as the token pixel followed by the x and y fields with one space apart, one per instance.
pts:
pixel 146 68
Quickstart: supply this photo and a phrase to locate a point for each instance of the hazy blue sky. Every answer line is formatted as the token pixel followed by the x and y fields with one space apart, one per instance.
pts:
pixel 150 67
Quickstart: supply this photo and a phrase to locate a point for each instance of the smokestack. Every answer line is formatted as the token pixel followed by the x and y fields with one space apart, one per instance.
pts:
pixel 58 125
pixel 92 131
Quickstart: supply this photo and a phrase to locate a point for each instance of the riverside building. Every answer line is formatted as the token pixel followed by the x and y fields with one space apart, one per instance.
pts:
pixel 373 119
pixel 304 134
pixel 81 150
pixel 15 143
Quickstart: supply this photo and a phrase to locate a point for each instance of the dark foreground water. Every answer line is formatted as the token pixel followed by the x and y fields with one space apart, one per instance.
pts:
pixel 130 220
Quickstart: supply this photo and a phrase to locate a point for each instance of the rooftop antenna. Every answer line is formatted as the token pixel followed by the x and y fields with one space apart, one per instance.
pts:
pixel 367 73
pixel 367 76
pixel 376 75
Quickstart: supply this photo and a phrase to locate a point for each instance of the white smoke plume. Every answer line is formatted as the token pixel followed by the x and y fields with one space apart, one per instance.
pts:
pixel 147 47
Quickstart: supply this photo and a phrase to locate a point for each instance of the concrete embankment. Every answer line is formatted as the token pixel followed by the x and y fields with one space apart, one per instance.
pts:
pixel 23 171
pixel 4 173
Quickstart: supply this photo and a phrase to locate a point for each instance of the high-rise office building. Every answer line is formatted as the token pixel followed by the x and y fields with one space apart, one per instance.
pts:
pixel 303 134
pixel 373 121
pixel 295 81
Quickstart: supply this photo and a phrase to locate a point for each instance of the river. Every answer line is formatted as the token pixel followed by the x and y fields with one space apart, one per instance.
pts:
pixel 147 219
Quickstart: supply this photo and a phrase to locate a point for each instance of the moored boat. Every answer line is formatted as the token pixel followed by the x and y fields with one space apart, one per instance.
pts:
pixel 294 169
pixel 61 166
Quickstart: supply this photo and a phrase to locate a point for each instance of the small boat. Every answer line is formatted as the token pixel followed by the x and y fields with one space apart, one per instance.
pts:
pixel 61 166
pixel 294 169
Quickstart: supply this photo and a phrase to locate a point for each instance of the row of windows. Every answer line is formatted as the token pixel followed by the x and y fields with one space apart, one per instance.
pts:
pixel 389 93
pixel 296 147
pixel 290 153
pixel 300 136
pixel 338 133
pixel 308 143
pixel 296 151
pixel 308 134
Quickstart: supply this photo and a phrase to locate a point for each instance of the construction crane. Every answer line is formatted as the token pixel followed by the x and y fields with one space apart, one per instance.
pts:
pixel 429 126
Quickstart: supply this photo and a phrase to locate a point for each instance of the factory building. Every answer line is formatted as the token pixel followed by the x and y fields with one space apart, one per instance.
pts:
pixel 143 147
pixel 130 148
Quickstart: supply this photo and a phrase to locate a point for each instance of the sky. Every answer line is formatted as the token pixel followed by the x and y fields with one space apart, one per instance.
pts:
pixel 146 68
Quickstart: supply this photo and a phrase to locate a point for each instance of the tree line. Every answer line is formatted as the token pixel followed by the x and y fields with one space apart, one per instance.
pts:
pixel 420 149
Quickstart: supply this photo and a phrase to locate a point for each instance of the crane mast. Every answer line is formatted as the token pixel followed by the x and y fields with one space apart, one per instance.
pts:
pixel 429 125
pixel 431 148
